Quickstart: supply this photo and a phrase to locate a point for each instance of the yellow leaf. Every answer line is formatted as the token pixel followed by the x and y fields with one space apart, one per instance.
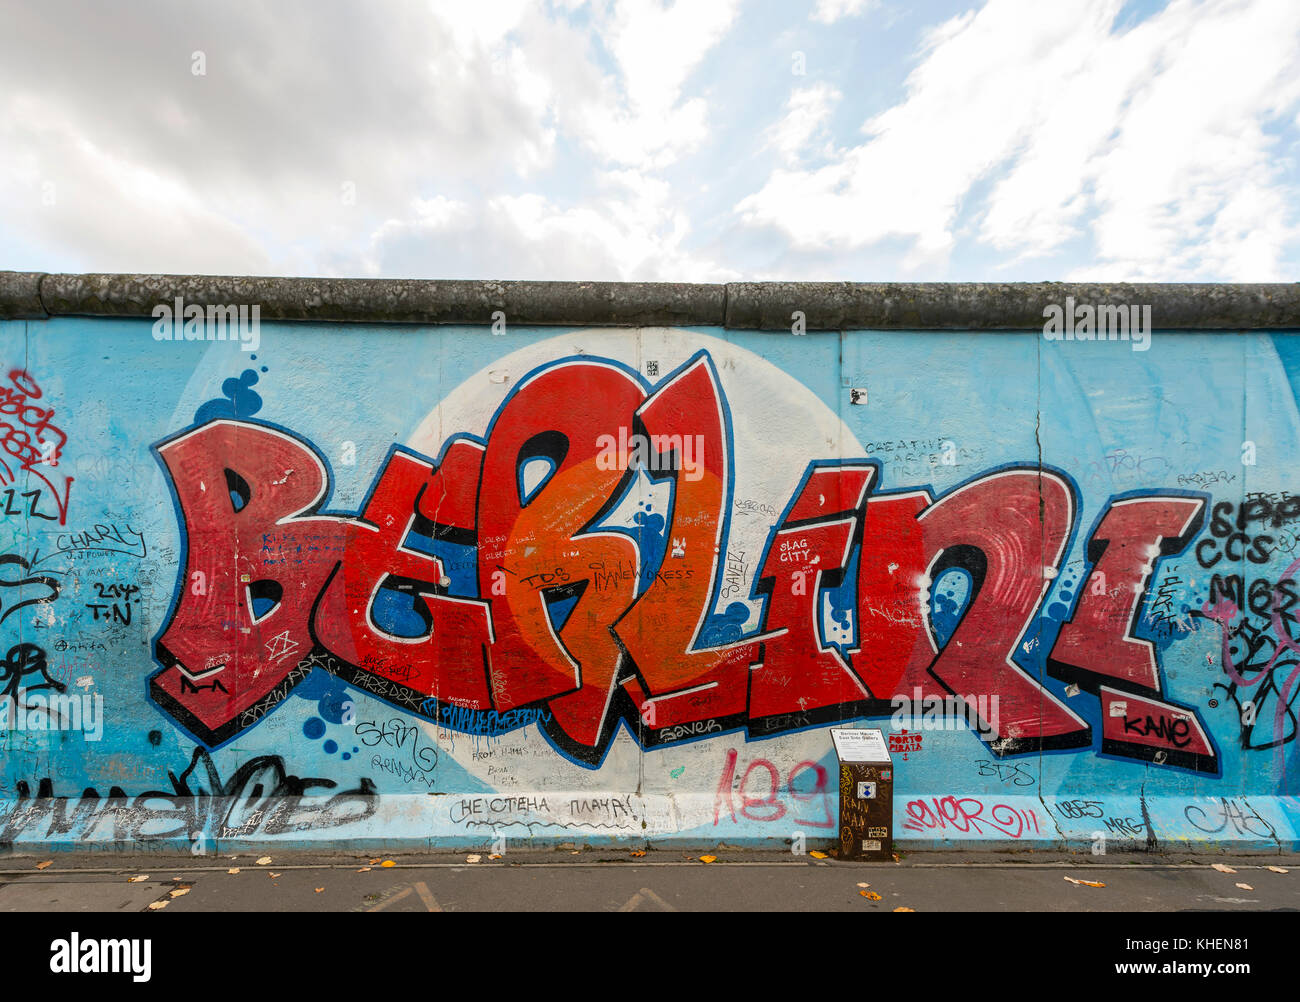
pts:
pixel 870 895
pixel 817 855
pixel 495 855
pixel 708 859
pixel 860 884
pixel 274 875
pixel 364 869
pixel 1246 887
pixel 155 905
pixel 233 869
pixel 179 891
pixel 387 864
pixel 471 859
pixel 1086 883
pixel 42 866
pixel 1224 869
pixel 264 860
pixel 904 909
pixel 375 862
pixel 1279 869
pixel 638 852
pixel 319 889
pixel 138 880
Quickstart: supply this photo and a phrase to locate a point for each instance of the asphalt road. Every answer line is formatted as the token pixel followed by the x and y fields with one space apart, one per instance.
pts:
pixel 614 881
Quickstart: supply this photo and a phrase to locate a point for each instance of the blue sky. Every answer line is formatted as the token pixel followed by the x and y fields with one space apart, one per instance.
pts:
pixel 701 140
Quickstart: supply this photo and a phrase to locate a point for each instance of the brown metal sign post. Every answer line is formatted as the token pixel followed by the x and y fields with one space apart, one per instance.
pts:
pixel 866 794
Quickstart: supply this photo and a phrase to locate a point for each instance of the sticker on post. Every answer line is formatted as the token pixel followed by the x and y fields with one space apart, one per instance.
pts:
pixel 870 845
pixel 866 791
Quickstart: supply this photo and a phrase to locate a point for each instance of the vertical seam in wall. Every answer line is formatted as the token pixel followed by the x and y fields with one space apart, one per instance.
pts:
pixel 1042 570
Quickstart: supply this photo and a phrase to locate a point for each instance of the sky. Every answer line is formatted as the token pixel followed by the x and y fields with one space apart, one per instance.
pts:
pixel 647 140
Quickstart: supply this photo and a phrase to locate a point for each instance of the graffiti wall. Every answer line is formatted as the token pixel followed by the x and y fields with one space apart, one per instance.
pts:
pixel 436 586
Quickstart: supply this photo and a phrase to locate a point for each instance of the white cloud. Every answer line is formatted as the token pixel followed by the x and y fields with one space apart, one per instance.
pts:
pixel 802 130
pixel 830 11
pixel 1152 140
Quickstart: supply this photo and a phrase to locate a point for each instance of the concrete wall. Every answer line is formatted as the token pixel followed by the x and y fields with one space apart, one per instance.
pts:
pixel 384 584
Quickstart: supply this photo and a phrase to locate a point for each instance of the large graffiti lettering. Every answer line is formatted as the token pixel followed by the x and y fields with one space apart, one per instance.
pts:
pixel 492 587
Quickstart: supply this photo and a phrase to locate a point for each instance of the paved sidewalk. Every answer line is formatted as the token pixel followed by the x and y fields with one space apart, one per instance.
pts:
pixel 614 880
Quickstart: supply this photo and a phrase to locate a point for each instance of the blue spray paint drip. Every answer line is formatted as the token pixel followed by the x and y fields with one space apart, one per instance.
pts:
pixel 240 402
pixel 949 596
pixel 650 533
pixel 724 628
pixel 843 607
pixel 329 693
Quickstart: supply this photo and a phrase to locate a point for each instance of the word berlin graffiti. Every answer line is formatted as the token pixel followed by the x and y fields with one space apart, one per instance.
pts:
pixel 489 582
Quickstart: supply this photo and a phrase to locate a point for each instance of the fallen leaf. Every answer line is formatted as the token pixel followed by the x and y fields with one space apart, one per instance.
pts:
pixel 817 855
pixel 362 870
pixel 1224 869
pixel 1246 887
pixel 388 864
pixel 375 862
pixel 155 905
pixel 860 884
pixel 896 859
pixel 138 880
pixel 1279 869
pixel 179 891
pixel 233 869
pixel 495 855
pixel 904 909
pixel 42 866
pixel 264 860
pixel 870 895
pixel 1086 883
pixel 319 889
pixel 638 853
pixel 576 852
pixel 468 859
pixel 274 875
pixel 708 859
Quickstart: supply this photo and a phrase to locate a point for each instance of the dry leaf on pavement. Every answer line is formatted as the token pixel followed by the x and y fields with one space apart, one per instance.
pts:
pixel 817 855
pixel 319 889
pixel 870 895
pixel 861 884
pixel 471 859
pixel 274 875
pixel 1279 869
pixel 388 864
pixel 1224 869
pixel 638 853
pixel 233 869
pixel 155 905
pixel 375 862
pixel 1246 887
pixel 264 860
pixel 179 891
pixel 362 870
pixel 904 909
pixel 1086 883
pixel 708 859
pixel 138 880
pixel 42 866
